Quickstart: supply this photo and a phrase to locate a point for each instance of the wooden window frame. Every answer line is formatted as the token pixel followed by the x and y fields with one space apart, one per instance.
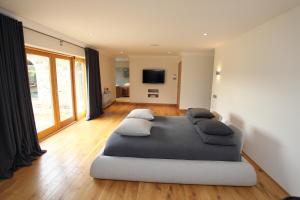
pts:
pixel 58 124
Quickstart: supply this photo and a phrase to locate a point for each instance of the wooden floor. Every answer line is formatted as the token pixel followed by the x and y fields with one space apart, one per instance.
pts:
pixel 63 172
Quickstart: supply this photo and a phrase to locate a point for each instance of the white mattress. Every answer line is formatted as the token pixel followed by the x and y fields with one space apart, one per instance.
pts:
pixel 174 171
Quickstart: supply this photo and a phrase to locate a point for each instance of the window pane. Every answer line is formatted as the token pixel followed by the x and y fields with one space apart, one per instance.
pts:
pixel 79 86
pixel 64 88
pixel 40 89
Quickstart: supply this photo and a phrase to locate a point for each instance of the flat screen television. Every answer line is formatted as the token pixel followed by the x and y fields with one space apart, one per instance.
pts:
pixel 154 76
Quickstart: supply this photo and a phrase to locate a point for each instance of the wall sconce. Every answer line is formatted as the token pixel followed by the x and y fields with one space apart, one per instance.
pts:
pixel 218 73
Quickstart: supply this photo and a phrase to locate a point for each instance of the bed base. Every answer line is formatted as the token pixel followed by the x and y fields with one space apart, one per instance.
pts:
pixel 174 171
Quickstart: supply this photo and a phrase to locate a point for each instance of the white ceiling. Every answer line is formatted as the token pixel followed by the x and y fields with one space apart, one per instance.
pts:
pixel 132 25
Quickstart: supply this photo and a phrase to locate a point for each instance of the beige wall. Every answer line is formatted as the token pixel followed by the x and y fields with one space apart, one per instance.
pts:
pixel 196 79
pixel 107 71
pixel 138 90
pixel 258 90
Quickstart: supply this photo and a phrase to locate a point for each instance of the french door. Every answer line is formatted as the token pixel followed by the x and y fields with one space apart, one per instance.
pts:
pixel 53 90
pixel 64 90
pixel 80 87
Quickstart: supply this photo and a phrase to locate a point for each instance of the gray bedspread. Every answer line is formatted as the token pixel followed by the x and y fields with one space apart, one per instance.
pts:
pixel 171 138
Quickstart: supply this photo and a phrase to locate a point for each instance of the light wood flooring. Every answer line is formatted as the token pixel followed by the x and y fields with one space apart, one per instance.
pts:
pixel 63 172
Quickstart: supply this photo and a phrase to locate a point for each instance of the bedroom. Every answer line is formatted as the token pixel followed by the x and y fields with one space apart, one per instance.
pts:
pixel 236 59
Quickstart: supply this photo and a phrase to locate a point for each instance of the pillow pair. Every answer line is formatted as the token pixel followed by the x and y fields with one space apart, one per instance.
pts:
pixel 198 114
pixel 215 133
pixel 137 123
pixel 145 114
pixel 195 120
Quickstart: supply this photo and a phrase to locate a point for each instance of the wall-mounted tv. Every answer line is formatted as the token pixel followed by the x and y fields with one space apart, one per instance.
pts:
pixel 155 76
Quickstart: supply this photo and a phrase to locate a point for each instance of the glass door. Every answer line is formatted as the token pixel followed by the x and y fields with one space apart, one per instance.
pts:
pixel 40 82
pixel 64 80
pixel 80 87
pixel 52 89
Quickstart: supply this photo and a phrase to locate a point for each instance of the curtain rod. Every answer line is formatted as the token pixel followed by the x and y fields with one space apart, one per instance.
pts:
pixel 53 37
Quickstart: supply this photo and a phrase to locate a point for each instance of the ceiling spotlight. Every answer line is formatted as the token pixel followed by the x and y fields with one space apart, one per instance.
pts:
pixel 205 34
pixel 169 52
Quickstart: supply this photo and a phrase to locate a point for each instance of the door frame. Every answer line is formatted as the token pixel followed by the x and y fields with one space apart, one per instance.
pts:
pixel 80 115
pixel 179 83
pixel 58 124
pixel 70 119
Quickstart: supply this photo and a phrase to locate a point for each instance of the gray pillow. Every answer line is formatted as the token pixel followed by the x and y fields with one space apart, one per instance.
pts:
pixel 146 114
pixel 134 127
pixel 229 140
pixel 194 120
pixel 200 113
pixel 213 127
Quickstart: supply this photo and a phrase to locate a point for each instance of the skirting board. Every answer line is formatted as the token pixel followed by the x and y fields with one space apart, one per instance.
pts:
pixel 174 171
pixel 109 104
pixel 147 104
pixel 257 167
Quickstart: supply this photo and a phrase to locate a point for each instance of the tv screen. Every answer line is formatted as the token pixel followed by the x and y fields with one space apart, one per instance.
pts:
pixel 153 76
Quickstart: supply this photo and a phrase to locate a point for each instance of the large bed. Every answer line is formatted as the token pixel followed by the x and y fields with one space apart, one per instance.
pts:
pixel 173 153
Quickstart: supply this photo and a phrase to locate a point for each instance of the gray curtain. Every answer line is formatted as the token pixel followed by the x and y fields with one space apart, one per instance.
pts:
pixel 18 136
pixel 94 94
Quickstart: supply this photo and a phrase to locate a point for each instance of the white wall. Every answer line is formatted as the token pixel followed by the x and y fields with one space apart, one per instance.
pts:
pixel 258 90
pixel 107 71
pixel 37 40
pixel 41 41
pixel 139 91
pixel 196 79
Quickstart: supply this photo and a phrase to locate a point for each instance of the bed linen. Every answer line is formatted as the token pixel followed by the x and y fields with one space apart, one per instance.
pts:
pixel 171 138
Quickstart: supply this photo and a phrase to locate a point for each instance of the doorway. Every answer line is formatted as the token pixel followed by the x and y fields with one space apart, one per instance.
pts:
pixel 54 87
pixel 179 83
pixel 122 79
